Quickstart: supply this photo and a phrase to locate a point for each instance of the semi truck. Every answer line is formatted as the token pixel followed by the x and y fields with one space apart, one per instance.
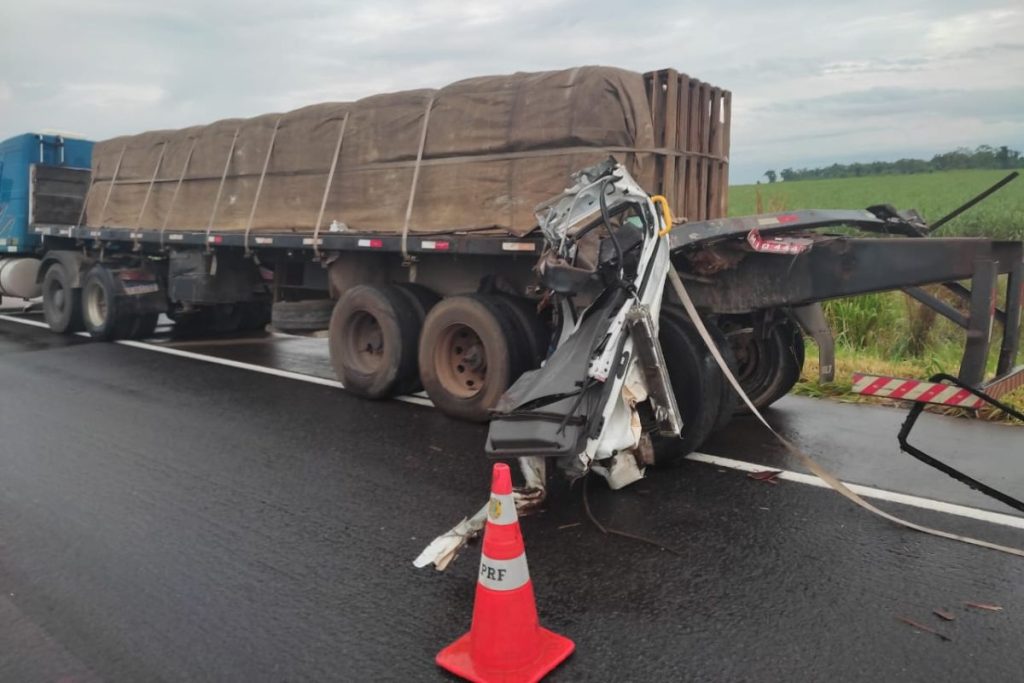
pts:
pixel 501 244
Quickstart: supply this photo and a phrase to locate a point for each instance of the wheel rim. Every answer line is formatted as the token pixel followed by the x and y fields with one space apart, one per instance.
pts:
pixel 95 305
pixel 460 360
pixel 364 341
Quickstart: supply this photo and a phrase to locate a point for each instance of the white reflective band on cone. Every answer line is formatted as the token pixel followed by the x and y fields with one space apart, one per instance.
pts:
pixel 503 575
pixel 502 509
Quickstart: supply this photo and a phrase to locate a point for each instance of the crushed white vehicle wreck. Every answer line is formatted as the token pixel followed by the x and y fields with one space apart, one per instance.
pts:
pixel 605 265
pixel 607 399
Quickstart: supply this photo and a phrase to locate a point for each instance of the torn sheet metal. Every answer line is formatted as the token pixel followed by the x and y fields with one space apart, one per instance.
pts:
pixel 579 407
pixel 443 550
pixel 605 267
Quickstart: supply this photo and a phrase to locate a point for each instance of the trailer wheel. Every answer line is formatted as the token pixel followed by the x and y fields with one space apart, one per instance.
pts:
pixel 372 341
pixel 422 299
pixel 697 383
pixel 100 311
pixel 62 304
pixel 470 352
pixel 790 347
pixel 768 366
pixel 532 329
pixel 729 399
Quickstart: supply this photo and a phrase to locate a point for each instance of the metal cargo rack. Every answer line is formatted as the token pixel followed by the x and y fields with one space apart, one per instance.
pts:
pixel 446 243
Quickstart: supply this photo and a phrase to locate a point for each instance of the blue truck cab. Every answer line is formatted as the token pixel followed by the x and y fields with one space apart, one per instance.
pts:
pixel 17 157
pixel 43 181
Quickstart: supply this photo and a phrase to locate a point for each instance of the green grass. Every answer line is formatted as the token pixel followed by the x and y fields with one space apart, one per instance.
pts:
pixel 932 194
pixel 887 333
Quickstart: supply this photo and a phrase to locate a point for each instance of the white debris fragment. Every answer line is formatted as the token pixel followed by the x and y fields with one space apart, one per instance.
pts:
pixel 445 548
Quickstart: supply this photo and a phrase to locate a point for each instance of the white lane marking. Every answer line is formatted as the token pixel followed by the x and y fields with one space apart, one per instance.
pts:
pixel 728 463
pixel 25 321
pixel 867 491
pixel 287 374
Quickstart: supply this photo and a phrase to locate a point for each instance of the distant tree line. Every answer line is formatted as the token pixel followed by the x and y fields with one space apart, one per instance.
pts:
pixel 984 156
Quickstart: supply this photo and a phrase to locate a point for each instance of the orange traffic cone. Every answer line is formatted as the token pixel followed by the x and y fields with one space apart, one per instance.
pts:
pixel 505 643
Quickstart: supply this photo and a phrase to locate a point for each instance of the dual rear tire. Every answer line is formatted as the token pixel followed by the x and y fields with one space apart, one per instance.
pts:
pixel 62 303
pixel 465 351
pixel 94 307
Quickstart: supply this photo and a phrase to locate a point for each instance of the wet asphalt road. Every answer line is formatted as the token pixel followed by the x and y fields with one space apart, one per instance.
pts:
pixel 162 518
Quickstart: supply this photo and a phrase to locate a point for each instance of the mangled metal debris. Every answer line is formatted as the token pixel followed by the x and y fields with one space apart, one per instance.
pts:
pixel 606 262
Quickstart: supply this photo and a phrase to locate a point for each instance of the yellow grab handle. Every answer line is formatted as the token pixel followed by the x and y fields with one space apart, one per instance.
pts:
pixel 666 214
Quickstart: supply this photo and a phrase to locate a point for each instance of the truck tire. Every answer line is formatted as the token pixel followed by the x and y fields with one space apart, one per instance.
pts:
pixel 302 316
pixel 768 367
pixel 100 312
pixel 422 299
pixel 697 384
pixel 470 352
pixel 729 400
pixel 62 304
pixel 532 329
pixel 790 347
pixel 373 341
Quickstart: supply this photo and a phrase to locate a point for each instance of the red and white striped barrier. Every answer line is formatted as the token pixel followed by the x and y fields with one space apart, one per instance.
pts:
pixel 914 390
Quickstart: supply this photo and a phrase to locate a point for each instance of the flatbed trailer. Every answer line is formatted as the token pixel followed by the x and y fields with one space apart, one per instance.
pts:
pixel 464 315
pixel 763 273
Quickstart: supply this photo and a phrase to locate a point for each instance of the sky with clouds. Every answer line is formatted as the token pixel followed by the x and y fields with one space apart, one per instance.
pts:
pixel 813 82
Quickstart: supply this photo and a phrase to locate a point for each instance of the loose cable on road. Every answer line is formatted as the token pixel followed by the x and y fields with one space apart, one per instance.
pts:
pixel 616 532
pixel 806 460
pixel 915 413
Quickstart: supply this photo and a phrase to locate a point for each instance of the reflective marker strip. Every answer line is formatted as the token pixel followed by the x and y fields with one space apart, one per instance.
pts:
pixel 502 509
pixel 436 245
pixel 1011 382
pixel 372 244
pixel 914 390
pixel 518 246
pixel 310 240
pixel 177 237
pixel 264 240
pixel 503 575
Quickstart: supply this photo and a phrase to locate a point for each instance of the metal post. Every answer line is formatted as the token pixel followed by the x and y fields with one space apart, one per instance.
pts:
pixel 979 330
pixel 812 318
pixel 1011 330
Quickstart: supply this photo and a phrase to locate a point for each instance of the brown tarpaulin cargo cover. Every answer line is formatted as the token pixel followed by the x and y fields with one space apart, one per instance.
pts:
pixel 494 147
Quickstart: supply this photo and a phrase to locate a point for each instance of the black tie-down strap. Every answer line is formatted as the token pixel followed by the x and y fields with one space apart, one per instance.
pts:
pixel 911 420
